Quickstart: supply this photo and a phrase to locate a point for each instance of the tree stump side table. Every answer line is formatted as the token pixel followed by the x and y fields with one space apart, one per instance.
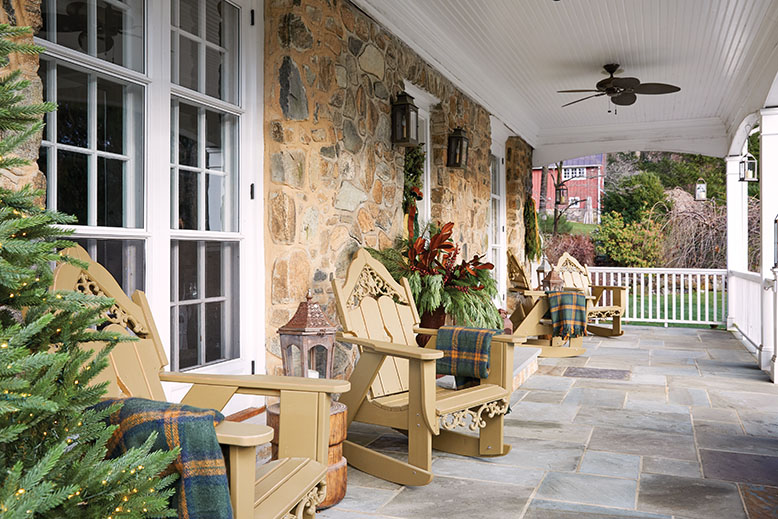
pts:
pixel 336 463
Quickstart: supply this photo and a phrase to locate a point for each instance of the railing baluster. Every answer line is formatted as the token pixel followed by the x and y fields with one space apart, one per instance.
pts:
pixel 674 302
pixel 698 296
pixel 683 299
pixel 650 296
pixel 707 303
pixel 715 298
pixel 665 298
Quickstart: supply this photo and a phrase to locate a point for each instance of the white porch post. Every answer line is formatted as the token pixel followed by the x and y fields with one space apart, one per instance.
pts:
pixel 737 226
pixel 769 202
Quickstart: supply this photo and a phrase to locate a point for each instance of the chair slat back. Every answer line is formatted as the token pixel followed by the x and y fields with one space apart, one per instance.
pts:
pixel 134 367
pixel 516 274
pixel 573 274
pixel 372 305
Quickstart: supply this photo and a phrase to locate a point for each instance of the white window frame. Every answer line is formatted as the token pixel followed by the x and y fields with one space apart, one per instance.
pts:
pixel 573 172
pixel 424 101
pixel 156 230
pixel 500 134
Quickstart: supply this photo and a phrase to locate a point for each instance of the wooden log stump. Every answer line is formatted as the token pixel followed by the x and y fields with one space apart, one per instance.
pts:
pixel 336 464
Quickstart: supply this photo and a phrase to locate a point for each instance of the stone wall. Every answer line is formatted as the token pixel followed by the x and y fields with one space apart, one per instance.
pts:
pixel 24 13
pixel 333 179
pixel 518 182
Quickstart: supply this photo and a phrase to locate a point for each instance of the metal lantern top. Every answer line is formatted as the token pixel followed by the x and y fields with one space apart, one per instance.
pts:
pixel 405 121
pixel 457 149
pixel 308 320
pixel 701 190
pixel 748 169
pixel 561 194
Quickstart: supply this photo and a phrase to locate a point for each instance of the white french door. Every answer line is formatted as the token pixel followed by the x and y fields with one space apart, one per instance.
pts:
pixel 153 150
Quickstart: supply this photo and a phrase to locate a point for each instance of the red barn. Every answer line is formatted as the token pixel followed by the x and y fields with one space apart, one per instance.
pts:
pixel 584 178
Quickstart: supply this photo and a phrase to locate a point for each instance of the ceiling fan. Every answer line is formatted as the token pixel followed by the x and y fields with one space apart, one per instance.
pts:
pixel 622 91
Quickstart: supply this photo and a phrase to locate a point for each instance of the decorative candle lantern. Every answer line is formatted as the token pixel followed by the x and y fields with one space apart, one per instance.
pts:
pixel 544 267
pixel 405 121
pixel 561 195
pixel 701 190
pixel 308 341
pixel 748 169
pixel 457 149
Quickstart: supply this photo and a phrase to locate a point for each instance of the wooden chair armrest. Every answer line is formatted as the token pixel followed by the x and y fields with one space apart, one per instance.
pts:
pixel 609 287
pixel 243 434
pixel 394 349
pixel 509 339
pixel 260 382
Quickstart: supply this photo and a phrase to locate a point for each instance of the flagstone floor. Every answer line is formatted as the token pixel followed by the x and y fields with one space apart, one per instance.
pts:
pixel 660 423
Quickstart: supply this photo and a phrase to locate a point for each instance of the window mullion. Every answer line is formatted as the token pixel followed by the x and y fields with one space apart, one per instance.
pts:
pixel 201 305
pixel 175 309
pixel 51 155
pixel 92 115
pixel 201 133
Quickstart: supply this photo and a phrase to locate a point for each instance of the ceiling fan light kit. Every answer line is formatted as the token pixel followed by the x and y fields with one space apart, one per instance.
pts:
pixel 621 91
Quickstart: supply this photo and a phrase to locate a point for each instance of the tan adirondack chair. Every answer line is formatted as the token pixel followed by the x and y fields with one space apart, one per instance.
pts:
pixel 529 320
pixel 289 487
pixel 393 383
pixel 576 276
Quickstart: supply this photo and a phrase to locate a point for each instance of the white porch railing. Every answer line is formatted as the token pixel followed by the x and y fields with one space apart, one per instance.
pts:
pixel 657 295
pixel 746 289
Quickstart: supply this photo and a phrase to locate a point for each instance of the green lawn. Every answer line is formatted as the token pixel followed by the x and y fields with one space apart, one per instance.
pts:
pixel 689 312
pixel 582 228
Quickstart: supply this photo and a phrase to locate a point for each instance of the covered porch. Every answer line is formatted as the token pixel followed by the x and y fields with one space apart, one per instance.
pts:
pixel 659 423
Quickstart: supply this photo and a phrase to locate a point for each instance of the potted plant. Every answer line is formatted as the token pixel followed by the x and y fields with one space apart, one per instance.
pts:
pixel 441 286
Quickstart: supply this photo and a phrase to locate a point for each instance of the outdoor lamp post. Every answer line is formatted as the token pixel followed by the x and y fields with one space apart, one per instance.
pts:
pixel 457 149
pixel 748 169
pixel 405 121
pixel 308 342
pixel 561 194
pixel 701 190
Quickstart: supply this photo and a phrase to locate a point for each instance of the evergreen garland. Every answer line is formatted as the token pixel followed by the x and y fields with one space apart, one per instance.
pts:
pixel 52 445
pixel 533 247
pixel 414 173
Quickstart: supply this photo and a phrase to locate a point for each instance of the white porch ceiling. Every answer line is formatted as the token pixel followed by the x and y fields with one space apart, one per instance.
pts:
pixel 512 56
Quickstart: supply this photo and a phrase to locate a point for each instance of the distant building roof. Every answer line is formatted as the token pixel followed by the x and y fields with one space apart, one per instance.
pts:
pixel 588 160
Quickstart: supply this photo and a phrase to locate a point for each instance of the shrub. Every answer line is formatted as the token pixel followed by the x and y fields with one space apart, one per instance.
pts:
pixel 629 244
pixel 579 246
pixel 633 196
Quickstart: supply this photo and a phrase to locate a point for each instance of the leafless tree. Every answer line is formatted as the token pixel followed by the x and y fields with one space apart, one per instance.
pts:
pixel 754 235
pixel 695 233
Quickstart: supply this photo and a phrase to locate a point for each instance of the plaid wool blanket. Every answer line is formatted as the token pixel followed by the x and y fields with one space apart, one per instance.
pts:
pixel 568 313
pixel 466 354
pixel 202 491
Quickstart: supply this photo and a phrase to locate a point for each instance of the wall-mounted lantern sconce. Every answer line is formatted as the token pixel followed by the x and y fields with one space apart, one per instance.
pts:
pixel 457 149
pixel 561 195
pixel 748 169
pixel 405 121
pixel 701 190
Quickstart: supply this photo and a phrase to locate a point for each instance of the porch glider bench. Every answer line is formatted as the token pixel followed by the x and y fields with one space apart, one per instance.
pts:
pixel 393 383
pixel 290 487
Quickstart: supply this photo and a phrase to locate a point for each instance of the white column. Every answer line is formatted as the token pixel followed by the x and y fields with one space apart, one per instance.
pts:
pixel 768 175
pixel 737 226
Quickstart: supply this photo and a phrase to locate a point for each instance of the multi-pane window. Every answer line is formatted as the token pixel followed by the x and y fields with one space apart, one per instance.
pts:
pixel 204 126
pixel 103 165
pixel 92 151
pixel 496 225
pixel 568 173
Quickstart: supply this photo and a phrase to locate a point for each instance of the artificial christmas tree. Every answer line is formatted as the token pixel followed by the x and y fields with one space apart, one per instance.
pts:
pixel 52 443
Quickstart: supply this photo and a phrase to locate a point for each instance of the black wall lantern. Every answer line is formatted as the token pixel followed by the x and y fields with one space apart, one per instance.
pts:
pixel 561 195
pixel 405 121
pixel 748 169
pixel 457 149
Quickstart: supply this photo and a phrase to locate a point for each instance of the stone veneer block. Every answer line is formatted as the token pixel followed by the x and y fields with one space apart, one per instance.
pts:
pixel 691 498
pixel 589 490
pixel 609 374
pixel 739 467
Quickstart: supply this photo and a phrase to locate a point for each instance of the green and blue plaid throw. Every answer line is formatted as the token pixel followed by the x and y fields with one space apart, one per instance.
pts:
pixel 202 491
pixel 466 354
pixel 568 313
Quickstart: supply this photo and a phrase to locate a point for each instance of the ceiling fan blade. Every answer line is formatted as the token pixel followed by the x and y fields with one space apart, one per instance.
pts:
pixel 624 99
pixel 625 82
pixel 656 88
pixel 583 99
pixel 579 91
